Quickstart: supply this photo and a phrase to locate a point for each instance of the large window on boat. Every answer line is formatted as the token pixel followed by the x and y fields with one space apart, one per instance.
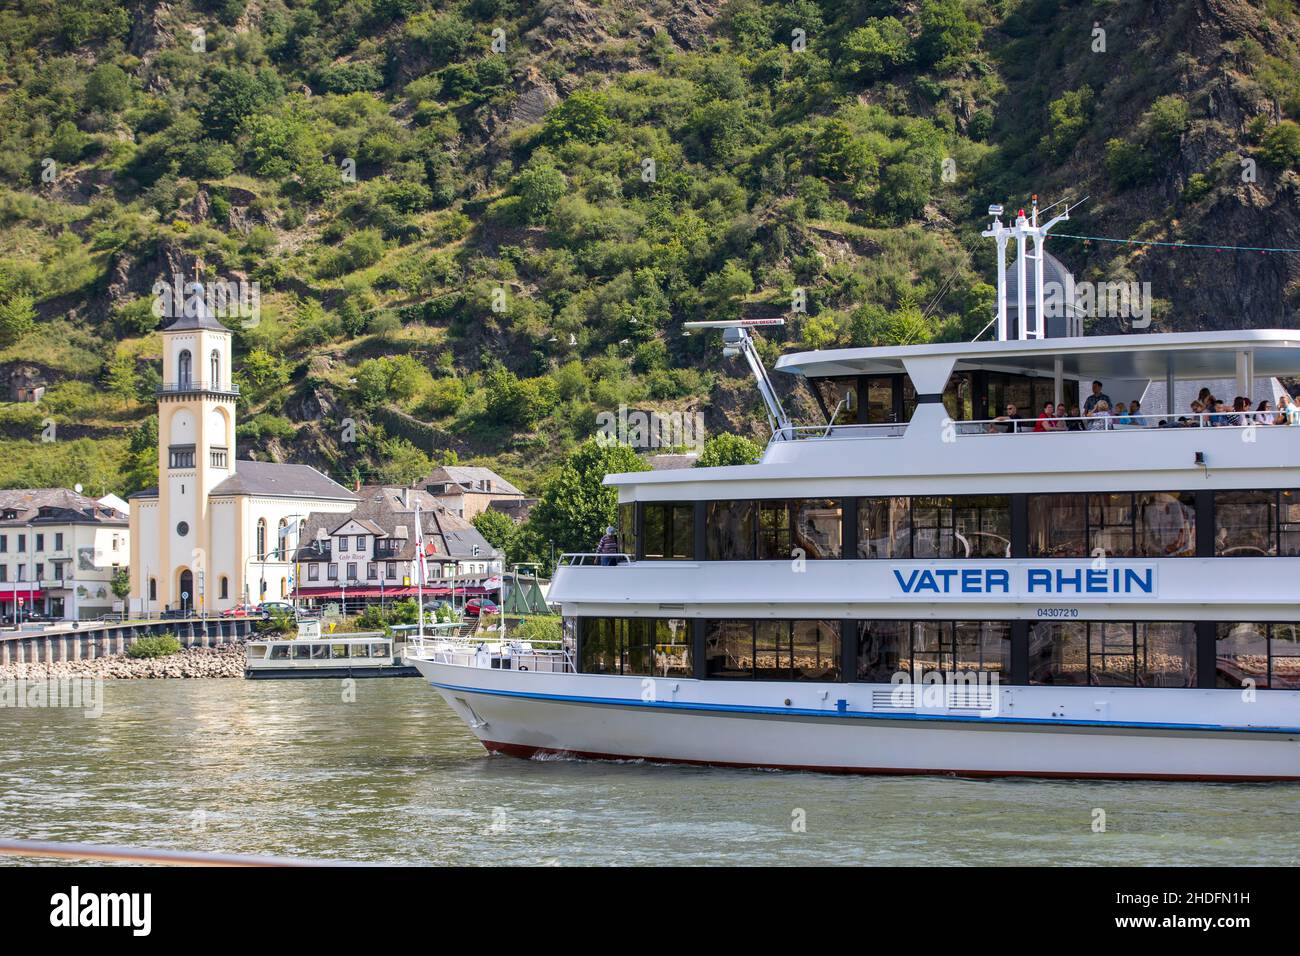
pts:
pixel 648 646
pixel 1147 524
pixel 838 397
pixel 668 530
pixel 773 650
pixel 1113 653
pixel 935 526
pixel 1268 654
pixel 886 648
pixel 1254 524
pixel 772 530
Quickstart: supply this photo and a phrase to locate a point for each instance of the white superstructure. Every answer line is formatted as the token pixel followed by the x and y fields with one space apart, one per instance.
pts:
pixel 924 584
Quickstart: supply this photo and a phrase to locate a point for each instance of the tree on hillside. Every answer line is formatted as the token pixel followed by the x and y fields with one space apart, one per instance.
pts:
pixel 17 318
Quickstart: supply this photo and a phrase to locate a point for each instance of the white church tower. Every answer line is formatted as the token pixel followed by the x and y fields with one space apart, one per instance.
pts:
pixel 196 448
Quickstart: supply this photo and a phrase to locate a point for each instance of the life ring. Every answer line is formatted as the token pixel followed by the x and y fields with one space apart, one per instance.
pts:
pixel 523 667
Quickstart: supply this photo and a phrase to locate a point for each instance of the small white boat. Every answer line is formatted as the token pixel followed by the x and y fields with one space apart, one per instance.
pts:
pixel 368 654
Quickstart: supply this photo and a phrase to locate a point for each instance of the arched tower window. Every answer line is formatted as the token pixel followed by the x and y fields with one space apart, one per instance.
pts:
pixel 261 539
pixel 153 589
pixel 184 368
pixel 215 370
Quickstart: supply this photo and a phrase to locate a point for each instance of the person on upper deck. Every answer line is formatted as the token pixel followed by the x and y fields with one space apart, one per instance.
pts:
pixel 1047 420
pixel 1121 415
pixel 1075 421
pixel 1099 419
pixel 1290 409
pixel 1198 415
pixel 1135 413
pixel 1097 396
pixel 608 545
pixel 1009 421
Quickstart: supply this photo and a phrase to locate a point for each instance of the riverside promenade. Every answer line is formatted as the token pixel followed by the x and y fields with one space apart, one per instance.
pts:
pixel 65 642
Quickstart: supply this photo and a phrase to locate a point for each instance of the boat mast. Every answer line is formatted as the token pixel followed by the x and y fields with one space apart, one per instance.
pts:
pixel 737 341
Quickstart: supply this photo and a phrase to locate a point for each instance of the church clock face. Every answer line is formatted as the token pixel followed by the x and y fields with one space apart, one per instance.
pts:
pixel 183 528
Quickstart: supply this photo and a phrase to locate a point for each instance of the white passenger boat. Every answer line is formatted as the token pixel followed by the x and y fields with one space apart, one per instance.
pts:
pixel 313 654
pixel 915 586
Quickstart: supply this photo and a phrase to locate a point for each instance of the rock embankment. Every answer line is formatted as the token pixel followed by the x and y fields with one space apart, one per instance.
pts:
pixel 224 661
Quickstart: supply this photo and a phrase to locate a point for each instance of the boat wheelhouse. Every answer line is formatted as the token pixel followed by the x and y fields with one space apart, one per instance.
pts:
pixel 949 590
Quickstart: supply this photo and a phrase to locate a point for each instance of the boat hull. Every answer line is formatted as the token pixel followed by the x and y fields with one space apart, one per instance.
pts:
pixel 594 717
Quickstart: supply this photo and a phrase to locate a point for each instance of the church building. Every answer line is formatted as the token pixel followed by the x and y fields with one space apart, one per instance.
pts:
pixel 217 531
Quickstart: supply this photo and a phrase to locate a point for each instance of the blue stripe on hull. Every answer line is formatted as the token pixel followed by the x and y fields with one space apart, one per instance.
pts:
pixel 866 715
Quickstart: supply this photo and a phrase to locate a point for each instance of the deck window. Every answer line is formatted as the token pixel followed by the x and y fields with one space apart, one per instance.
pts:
pixel 668 530
pixel 773 530
pixel 1255 524
pixel 1267 654
pixel 730 533
pixel 1113 653
pixel 773 650
pixel 649 646
pixel 1148 524
pixel 962 526
pixel 915 648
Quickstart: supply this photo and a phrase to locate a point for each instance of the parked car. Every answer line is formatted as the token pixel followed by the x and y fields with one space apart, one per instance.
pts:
pixel 241 610
pixel 267 608
pixel 476 606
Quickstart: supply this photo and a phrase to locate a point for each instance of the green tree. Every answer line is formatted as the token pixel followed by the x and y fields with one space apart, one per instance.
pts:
pixel 119 378
pixel 728 449
pixel 390 379
pixel 574 507
pixel 498 529
pixel 1067 118
pixel 946 31
pixel 876 49
pixel 262 374
pixel 236 95
pixel 583 116
pixel 401 462
pixel 108 88
pixel 539 188
pixel 121 583
pixel 1280 145
pixel 17 318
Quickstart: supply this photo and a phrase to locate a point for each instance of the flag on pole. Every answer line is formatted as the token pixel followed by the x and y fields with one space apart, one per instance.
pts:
pixel 421 568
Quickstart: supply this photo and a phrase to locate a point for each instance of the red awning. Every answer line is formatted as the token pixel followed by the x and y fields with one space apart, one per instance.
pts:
pixel 26 594
pixel 402 591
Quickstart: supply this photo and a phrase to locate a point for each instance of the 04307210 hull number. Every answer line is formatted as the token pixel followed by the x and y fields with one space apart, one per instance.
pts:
pixel 1058 612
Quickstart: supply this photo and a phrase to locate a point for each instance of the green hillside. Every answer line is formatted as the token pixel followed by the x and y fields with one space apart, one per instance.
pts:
pixel 471 250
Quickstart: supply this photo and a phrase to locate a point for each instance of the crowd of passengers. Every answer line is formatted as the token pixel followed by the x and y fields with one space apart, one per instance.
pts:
pixel 1099 415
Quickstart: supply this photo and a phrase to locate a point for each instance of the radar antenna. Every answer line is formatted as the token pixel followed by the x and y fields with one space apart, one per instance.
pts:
pixel 736 340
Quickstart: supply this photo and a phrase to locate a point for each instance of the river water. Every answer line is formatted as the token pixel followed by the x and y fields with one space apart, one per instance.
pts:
pixel 290 768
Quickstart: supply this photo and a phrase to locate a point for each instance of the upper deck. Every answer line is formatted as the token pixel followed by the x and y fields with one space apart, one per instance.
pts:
pixel 934 430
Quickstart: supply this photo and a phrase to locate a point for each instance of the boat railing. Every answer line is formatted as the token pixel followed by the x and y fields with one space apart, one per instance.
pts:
pixel 589 559
pixel 1005 425
pixel 842 432
pixel 539 655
